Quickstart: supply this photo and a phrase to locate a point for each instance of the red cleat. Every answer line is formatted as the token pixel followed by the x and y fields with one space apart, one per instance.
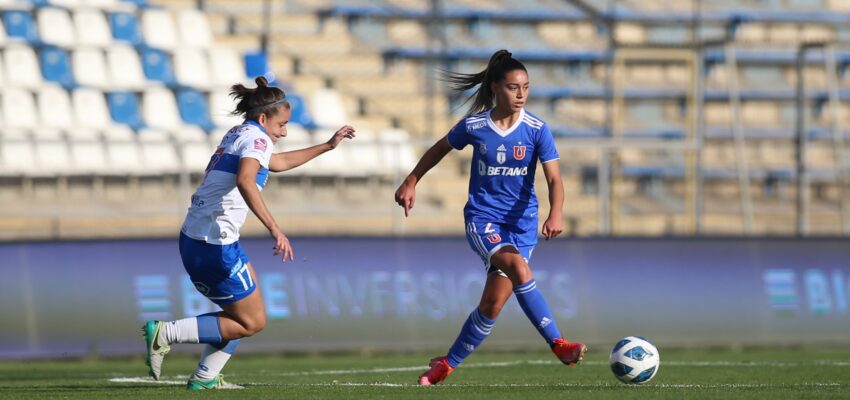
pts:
pixel 570 353
pixel 440 370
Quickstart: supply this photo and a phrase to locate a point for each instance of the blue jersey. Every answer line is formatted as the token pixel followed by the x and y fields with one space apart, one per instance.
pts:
pixel 501 182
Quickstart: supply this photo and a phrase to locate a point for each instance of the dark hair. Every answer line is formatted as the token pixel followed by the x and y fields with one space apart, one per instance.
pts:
pixel 263 99
pixel 501 62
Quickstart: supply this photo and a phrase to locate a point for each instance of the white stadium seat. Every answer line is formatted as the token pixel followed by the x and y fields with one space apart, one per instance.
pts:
pixel 195 156
pixel 2 70
pixel 55 27
pixel 16 157
pixel 119 134
pixel 333 163
pixel 83 135
pixel 191 68
pixel 92 28
pixel 3 38
pixel 90 68
pixel 216 135
pixel 159 158
pixel 189 133
pixel 125 68
pixel 158 29
pixel 365 153
pixel 227 67
pixel 150 135
pixel 159 109
pixel 87 158
pixel 194 28
pixel 19 109
pixel 398 154
pixel 124 158
pixel 221 104
pixel 22 67
pixel 90 108
pixel 51 158
pixel 66 3
pixel 328 110
pixel 54 106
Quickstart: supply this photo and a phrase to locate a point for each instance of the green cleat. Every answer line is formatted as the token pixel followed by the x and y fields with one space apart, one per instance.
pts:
pixel 156 347
pixel 215 383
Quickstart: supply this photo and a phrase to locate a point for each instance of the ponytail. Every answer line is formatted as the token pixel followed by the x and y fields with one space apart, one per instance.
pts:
pixel 501 62
pixel 263 99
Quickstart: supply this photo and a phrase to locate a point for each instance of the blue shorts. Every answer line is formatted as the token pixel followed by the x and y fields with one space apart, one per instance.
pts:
pixel 219 272
pixel 487 238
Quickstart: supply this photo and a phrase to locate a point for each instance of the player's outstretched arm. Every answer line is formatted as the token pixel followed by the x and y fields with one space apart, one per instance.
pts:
pixel 287 160
pixel 246 181
pixel 405 196
pixel 554 224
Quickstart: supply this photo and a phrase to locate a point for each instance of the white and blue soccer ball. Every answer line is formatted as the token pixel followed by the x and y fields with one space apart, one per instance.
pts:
pixel 634 360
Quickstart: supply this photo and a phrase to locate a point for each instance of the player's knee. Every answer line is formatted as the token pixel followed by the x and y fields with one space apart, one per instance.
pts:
pixel 517 271
pixel 254 325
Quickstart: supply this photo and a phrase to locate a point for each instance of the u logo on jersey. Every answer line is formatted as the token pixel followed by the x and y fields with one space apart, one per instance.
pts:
pixel 519 152
pixel 494 238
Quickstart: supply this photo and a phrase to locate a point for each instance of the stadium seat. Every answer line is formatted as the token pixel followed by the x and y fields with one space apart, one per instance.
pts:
pixel 329 101
pixel 54 106
pixel 189 134
pixel 118 134
pixel 20 26
pixel 90 68
pixel 90 110
pixel 92 28
pixel 52 158
pixel 3 38
pixel 56 67
pixel 300 112
pixel 158 29
pixel 296 138
pixel 256 64
pixel 157 66
pixel 16 157
pixel 194 156
pixel 125 28
pixel 226 67
pixel 397 152
pixel 124 109
pixel 124 158
pixel 365 153
pixel 194 28
pixel 191 68
pixel 55 27
pixel 159 109
pixel 333 163
pixel 159 158
pixel 83 135
pixel 2 72
pixel 19 109
pixel 152 135
pixel 193 108
pixel 22 67
pixel 87 158
pixel 221 105
pixel 72 4
pixel 216 135
pixel 125 68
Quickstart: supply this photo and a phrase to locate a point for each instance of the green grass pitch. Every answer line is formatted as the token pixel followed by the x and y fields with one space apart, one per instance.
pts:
pixel 751 374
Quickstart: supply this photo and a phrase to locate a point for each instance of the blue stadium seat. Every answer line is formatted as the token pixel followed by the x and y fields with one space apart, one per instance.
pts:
pixel 125 27
pixel 56 67
pixel 193 108
pixel 300 113
pixel 139 3
pixel 256 64
pixel 157 66
pixel 124 109
pixel 19 24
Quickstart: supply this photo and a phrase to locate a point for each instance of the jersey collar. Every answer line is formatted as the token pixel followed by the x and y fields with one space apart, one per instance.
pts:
pixel 510 130
pixel 255 123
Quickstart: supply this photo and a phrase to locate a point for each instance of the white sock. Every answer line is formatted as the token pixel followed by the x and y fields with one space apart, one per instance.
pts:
pixel 181 331
pixel 211 364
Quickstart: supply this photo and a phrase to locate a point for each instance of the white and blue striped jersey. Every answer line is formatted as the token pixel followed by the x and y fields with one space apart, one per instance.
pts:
pixel 501 182
pixel 218 210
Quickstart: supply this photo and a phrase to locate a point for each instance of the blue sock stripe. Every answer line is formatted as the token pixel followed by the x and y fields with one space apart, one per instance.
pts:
pixel 525 287
pixel 228 347
pixel 208 329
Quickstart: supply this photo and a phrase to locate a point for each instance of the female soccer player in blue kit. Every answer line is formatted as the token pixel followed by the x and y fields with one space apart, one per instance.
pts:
pixel 501 213
pixel 209 238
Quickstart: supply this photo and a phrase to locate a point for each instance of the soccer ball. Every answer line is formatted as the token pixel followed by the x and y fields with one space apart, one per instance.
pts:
pixel 634 360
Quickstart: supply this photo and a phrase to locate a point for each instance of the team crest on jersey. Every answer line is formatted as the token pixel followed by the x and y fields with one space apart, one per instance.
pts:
pixel 500 154
pixel 494 238
pixel 483 148
pixel 260 144
pixel 519 152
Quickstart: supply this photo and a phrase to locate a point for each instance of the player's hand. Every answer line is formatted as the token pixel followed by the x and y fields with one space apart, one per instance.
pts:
pixel 553 227
pixel 405 196
pixel 282 247
pixel 346 132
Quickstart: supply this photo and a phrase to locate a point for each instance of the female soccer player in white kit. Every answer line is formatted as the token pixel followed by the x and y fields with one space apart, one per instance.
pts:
pixel 209 238
pixel 501 211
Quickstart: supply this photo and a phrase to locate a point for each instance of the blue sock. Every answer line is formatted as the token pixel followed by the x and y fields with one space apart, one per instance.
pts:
pixel 537 310
pixel 474 331
pixel 208 329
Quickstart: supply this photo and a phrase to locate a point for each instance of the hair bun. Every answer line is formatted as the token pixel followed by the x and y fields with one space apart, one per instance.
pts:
pixel 261 81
